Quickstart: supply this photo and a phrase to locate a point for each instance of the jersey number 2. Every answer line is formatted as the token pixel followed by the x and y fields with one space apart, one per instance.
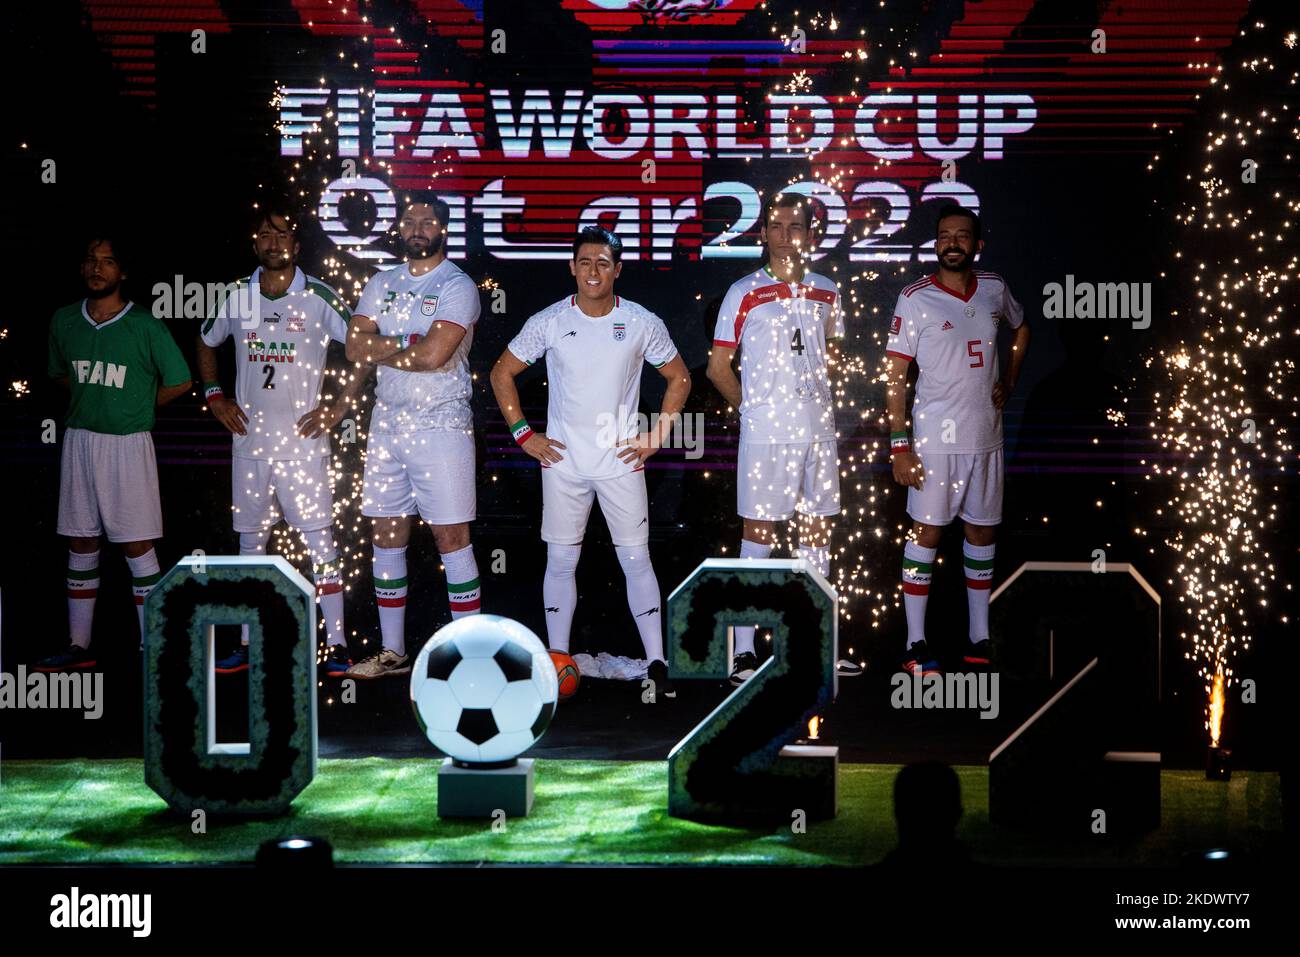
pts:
pixel 269 381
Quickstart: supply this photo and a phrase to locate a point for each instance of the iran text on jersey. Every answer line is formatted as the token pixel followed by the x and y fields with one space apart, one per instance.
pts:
pixel 781 329
pixel 953 338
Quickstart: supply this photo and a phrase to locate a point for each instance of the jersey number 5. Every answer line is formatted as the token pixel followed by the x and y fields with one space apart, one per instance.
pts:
pixel 977 354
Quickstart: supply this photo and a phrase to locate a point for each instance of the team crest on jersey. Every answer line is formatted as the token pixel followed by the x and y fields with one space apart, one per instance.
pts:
pixel 997 317
pixel 620 332
pixel 895 325
pixel 429 305
pixel 970 312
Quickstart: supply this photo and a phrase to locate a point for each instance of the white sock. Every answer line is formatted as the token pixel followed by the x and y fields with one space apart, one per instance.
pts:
pixel 744 634
pixel 917 563
pixel 463 592
pixel 389 565
pixel 560 593
pixel 251 543
pixel 819 557
pixel 643 597
pixel 329 582
pixel 144 575
pixel 978 560
pixel 83 586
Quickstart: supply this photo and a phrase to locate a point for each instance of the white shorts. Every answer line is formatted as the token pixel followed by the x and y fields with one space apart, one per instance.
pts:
pixel 968 486
pixel 775 480
pixel 432 472
pixel 108 484
pixel 566 504
pixel 301 492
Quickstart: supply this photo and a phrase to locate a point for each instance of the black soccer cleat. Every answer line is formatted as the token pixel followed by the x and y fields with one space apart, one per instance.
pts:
pixel 661 686
pixel 337 662
pixel 743 667
pixel 918 660
pixel 848 669
pixel 233 663
pixel 73 659
pixel 979 653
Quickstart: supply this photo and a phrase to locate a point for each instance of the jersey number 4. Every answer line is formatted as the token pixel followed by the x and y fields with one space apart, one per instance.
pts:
pixel 268 382
pixel 796 342
pixel 976 354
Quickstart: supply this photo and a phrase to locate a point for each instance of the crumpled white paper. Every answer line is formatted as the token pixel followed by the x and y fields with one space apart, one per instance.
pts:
pixel 605 665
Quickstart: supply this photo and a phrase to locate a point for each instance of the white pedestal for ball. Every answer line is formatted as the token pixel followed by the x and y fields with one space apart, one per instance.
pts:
pixel 482 792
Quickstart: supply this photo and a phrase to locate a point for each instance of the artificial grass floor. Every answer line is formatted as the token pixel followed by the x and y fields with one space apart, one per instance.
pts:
pixel 381 810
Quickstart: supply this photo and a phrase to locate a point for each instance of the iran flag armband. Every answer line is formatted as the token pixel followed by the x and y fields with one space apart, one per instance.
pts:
pixel 521 432
pixel 899 442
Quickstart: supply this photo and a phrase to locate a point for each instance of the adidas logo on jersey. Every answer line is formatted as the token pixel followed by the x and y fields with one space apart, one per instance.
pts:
pixel 947 325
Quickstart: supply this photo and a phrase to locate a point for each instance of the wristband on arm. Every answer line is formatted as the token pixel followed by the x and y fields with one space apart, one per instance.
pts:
pixel 212 390
pixel 899 442
pixel 521 432
pixel 407 340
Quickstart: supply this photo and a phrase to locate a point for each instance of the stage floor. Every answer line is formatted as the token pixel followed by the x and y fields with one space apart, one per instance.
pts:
pixel 383 811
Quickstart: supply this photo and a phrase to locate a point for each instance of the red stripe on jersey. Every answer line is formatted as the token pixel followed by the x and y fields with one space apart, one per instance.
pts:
pixel 390 602
pixel 82 592
pixel 890 352
pixel 974 284
pixel 818 295
pixel 329 588
pixel 724 342
pixel 756 297
pixel 919 284
pixel 981 585
pixel 911 588
pixel 465 605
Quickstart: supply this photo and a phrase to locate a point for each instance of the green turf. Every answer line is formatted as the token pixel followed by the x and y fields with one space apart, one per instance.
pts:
pixel 378 810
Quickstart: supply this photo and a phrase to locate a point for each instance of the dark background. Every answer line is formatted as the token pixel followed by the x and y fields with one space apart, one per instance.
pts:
pixel 177 152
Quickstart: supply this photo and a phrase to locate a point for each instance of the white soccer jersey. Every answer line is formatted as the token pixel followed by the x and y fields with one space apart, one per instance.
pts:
pixel 280 348
pixel 953 339
pixel 780 329
pixel 401 304
pixel 593 374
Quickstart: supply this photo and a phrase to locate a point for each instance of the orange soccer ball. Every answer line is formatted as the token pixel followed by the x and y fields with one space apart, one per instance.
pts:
pixel 566 670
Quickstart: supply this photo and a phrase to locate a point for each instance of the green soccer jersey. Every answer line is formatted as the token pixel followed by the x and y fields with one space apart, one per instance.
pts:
pixel 114 368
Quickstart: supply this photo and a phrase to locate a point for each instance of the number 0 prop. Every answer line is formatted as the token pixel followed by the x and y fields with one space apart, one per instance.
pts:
pixel 730 765
pixel 183 763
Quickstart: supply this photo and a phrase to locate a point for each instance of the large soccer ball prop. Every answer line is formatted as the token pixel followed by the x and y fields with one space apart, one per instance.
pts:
pixel 483 689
